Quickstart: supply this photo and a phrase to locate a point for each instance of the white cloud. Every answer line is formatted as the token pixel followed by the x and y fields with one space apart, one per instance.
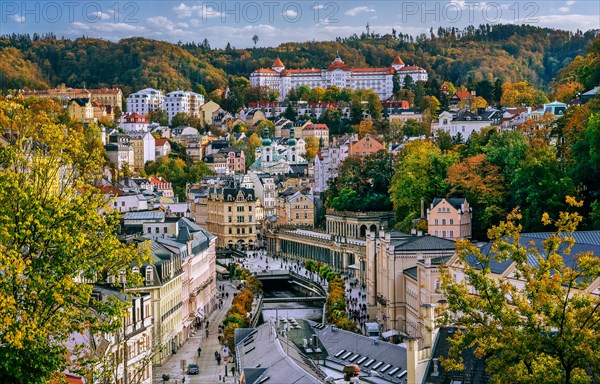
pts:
pixel 183 25
pixel 317 6
pixel 357 10
pixel 18 18
pixel 183 10
pixel 564 9
pixel 570 2
pixel 161 22
pixel 204 11
pixel 290 13
pixel 109 31
pixel 98 16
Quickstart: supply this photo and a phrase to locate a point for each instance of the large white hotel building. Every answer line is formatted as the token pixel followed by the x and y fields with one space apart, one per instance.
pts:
pixel 151 100
pixel 337 74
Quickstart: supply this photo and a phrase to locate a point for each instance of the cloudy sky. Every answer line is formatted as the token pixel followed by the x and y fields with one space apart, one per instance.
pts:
pixel 276 22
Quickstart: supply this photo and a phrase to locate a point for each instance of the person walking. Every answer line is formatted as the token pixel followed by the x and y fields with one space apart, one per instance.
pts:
pixel 199 351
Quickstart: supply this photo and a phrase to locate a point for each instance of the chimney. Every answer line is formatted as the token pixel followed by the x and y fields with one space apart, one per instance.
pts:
pixel 412 359
pixel 436 371
pixel 429 325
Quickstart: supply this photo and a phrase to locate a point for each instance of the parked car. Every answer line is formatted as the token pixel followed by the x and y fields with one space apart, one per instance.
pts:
pixel 193 369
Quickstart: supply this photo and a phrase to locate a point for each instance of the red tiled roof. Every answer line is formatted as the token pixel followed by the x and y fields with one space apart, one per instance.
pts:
pixel 105 90
pixel 307 70
pixel 70 379
pixel 398 60
pixel 110 190
pixel 265 70
pixel 277 63
pixel 463 94
pixel 411 68
pixel 316 126
pixel 338 65
pixel 159 142
pixel 387 70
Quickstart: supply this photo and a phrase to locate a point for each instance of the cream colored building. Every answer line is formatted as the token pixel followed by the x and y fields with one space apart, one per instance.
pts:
pixel 231 216
pixel 295 208
pixel 143 148
pixel 207 111
pixel 402 274
pixel 104 96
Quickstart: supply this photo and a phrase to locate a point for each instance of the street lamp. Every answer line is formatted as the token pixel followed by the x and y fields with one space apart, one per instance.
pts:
pixel 351 374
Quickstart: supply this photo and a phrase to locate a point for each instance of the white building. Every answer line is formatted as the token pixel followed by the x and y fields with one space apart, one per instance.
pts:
pixel 266 192
pixel 466 122
pixel 339 74
pixel 133 122
pixel 275 159
pixel 183 102
pixel 129 203
pixel 328 161
pixel 145 101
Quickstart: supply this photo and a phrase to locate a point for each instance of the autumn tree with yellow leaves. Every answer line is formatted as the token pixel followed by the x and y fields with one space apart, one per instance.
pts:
pixel 543 325
pixel 52 239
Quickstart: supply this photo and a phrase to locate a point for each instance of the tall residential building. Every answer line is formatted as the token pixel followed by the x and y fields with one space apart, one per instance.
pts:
pixel 336 74
pixel 182 102
pixel 231 216
pixel 145 101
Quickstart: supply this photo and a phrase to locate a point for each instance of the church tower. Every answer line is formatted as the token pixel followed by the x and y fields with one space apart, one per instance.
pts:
pixel 292 155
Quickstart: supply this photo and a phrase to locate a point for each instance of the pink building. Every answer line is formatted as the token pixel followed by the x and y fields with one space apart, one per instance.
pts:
pixel 365 146
pixel 449 218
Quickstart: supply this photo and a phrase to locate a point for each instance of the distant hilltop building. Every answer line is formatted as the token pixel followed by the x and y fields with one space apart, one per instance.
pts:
pixel 338 74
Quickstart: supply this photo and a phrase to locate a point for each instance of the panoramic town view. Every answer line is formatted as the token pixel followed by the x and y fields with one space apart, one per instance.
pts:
pixel 300 192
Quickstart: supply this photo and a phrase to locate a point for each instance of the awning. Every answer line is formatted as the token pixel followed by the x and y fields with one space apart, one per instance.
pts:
pixel 354 266
pixel 200 313
pixel 222 270
pixel 390 333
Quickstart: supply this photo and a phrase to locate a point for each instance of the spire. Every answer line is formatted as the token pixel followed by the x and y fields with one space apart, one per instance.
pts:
pixel 278 63
pixel 266 141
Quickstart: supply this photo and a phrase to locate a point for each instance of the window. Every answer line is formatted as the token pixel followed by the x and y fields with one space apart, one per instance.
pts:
pixel 297 215
pixel 451 233
pixel 149 230
pixel 230 231
pixel 157 230
pixel 229 208
pixel 451 221
pixel 149 274
pixel 443 233
pixel 164 229
pixel 443 221
pixel 436 221
pixel 249 218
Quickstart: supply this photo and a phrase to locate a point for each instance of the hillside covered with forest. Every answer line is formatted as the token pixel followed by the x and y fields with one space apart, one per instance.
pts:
pixel 474 57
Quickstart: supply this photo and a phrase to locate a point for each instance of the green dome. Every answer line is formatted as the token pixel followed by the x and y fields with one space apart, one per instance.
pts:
pixel 266 141
pixel 291 142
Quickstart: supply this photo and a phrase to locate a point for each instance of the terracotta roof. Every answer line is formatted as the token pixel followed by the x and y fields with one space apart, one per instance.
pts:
pixel 159 142
pixel 463 94
pixel 411 68
pixel 110 190
pixel 338 65
pixel 398 60
pixel 388 70
pixel 105 90
pixel 277 63
pixel 307 70
pixel 316 126
pixel 265 70
pixel 70 379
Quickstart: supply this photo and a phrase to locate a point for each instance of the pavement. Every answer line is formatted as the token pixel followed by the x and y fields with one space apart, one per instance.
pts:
pixel 210 371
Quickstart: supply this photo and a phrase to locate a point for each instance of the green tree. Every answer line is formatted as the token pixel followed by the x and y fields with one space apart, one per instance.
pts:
pixel 540 327
pixel 289 113
pixel 421 170
pixel 159 117
pixel 180 119
pixel 53 234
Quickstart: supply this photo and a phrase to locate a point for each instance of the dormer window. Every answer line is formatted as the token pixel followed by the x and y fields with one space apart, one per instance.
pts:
pixel 149 275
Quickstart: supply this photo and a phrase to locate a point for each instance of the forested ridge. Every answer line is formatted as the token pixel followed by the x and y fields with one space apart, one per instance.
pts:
pixel 464 57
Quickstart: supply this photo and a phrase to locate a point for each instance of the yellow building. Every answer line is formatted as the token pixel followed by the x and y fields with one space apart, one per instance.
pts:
pixel 231 216
pixel 104 96
pixel 207 110
pixel 81 109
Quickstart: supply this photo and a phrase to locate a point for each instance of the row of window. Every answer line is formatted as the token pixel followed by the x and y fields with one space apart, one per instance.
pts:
pixel 240 231
pixel 451 221
pixel 451 233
